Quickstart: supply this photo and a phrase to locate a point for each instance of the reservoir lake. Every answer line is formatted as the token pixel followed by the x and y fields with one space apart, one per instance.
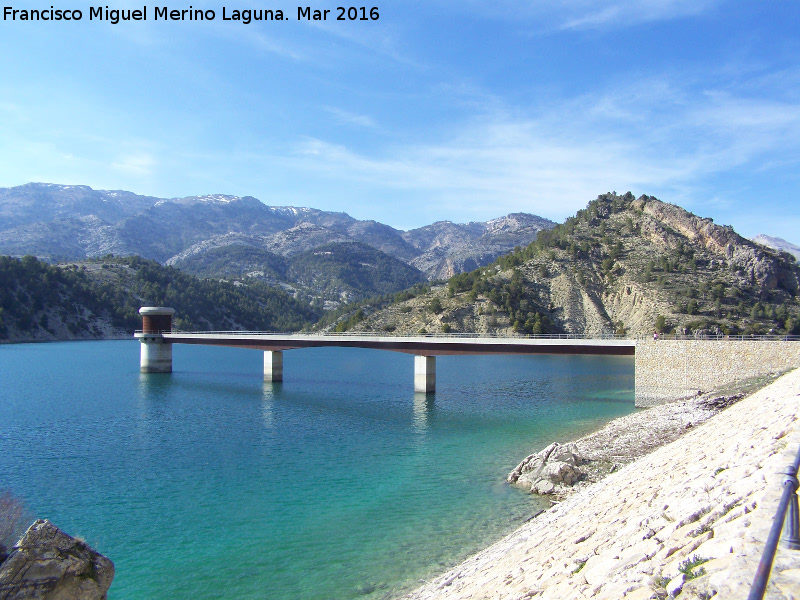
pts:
pixel 338 483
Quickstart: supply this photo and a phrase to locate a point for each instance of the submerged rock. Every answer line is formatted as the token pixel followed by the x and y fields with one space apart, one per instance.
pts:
pixel 548 471
pixel 48 564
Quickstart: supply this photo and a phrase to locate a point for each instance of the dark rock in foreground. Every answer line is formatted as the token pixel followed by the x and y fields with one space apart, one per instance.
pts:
pixel 48 564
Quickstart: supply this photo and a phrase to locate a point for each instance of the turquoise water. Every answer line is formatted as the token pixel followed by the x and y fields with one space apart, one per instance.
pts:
pixel 338 483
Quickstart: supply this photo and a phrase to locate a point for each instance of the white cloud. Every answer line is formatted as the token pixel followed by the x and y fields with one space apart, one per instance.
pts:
pixel 350 118
pixel 135 164
pixel 585 14
pixel 651 137
pixel 263 43
pixel 10 108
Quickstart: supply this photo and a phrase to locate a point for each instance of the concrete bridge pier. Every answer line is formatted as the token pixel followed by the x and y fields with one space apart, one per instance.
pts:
pixel 156 352
pixel 273 365
pixel 425 374
pixel 156 355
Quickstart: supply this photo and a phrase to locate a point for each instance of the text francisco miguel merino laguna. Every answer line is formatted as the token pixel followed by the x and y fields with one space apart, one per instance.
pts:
pixel 164 13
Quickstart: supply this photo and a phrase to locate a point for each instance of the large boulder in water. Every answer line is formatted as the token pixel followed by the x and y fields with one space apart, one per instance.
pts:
pixel 48 564
pixel 547 471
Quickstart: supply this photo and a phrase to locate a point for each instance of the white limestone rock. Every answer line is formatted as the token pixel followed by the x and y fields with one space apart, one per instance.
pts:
pixel 675 586
pixel 548 471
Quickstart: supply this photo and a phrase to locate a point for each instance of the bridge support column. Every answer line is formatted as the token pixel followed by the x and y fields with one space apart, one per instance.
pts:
pixel 273 365
pixel 424 374
pixel 156 352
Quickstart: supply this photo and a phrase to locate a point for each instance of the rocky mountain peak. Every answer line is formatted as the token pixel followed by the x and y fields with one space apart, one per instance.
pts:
pixel 777 243
pixel 515 222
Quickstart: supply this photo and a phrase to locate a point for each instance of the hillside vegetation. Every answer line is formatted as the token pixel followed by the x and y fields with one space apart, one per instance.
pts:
pixel 622 265
pixel 326 276
pixel 101 299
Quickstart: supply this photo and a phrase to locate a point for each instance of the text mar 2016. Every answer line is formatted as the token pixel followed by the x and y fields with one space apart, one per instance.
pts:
pixel 164 13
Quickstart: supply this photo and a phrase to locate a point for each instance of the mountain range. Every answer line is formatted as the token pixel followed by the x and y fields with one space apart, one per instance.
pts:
pixel 231 236
pixel 622 265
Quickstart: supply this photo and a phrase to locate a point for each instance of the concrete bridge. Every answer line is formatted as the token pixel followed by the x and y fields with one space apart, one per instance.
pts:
pixel 665 369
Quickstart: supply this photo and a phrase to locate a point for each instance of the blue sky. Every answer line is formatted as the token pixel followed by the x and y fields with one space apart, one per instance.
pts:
pixel 438 110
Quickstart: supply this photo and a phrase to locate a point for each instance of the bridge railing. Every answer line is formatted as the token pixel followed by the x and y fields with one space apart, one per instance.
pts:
pixel 787 520
pixel 723 337
pixel 457 335
pixel 361 334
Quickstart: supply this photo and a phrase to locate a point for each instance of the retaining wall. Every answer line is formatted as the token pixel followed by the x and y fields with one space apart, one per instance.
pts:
pixel 671 369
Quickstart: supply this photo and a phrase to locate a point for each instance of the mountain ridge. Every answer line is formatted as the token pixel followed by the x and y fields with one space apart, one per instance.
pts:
pixel 55 222
pixel 622 265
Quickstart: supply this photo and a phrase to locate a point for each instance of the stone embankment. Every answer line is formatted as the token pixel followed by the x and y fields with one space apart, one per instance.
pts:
pixel 669 369
pixel 687 520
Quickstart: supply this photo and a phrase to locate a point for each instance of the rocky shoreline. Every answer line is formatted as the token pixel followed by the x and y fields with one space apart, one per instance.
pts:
pixel 671 503
pixel 579 464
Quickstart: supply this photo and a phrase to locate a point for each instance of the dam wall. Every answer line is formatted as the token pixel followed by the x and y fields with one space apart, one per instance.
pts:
pixel 671 369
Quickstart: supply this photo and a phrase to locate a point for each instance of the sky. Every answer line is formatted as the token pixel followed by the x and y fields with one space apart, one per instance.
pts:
pixel 438 110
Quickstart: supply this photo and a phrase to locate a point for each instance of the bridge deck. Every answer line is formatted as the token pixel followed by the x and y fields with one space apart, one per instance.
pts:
pixel 419 345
